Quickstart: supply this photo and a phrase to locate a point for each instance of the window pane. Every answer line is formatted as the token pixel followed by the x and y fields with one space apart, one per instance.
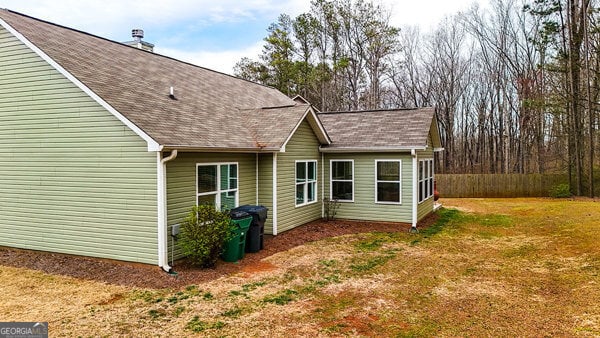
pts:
pixel 207 200
pixel 312 171
pixel 341 191
pixel 300 171
pixel 421 191
pixel 207 178
pixel 311 192
pixel 388 192
pixel 233 183
pixel 299 193
pixel 421 170
pixel 228 200
pixel 388 171
pixel 430 186
pixel 341 170
pixel 233 170
pixel 224 184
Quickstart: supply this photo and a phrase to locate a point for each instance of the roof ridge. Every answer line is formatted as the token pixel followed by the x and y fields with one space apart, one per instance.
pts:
pixel 371 110
pixel 127 46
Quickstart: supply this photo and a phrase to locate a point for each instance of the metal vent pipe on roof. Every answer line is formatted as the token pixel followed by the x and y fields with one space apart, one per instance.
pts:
pixel 137 34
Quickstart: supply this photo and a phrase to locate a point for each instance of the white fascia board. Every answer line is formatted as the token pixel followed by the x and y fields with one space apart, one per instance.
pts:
pixel 152 144
pixel 368 149
pixel 320 126
pixel 323 135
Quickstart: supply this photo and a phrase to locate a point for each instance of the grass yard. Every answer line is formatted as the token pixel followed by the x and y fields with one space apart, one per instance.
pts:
pixel 489 267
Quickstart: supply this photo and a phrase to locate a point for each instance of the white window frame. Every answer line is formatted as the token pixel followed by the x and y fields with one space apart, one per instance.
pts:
pixel 399 182
pixel 219 191
pixel 425 178
pixel 306 182
pixel 331 180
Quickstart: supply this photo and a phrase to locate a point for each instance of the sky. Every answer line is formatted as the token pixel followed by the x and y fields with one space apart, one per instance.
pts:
pixel 211 33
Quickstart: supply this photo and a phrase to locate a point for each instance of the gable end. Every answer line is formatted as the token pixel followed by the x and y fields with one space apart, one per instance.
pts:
pixel 152 144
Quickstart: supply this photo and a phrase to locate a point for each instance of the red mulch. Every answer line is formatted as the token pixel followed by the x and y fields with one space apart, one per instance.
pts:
pixel 149 276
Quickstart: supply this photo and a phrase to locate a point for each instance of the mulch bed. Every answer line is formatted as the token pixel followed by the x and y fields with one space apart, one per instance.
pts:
pixel 149 276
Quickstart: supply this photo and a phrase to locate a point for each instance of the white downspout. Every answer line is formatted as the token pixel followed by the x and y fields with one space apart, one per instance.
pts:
pixel 274 193
pixel 256 173
pixel 323 185
pixel 163 260
pixel 415 187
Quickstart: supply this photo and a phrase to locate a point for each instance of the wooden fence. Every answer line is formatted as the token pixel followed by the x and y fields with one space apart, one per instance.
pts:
pixel 497 185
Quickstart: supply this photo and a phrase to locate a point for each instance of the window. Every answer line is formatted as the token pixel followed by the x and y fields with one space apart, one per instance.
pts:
pixel 425 179
pixel 342 180
pixel 306 182
pixel 218 185
pixel 388 181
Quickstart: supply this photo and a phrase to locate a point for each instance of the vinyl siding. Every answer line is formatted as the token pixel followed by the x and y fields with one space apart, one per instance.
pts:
pixel 303 145
pixel 364 206
pixel 181 184
pixel 73 178
pixel 265 187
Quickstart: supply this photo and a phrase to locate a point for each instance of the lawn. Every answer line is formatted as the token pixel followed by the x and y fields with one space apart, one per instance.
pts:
pixel 488 267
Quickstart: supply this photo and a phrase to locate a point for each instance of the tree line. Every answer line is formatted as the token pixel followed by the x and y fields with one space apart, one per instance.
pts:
pixel 515 84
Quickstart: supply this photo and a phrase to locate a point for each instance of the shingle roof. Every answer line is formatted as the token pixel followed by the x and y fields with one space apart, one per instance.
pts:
pixel 211 110
pixel 378 129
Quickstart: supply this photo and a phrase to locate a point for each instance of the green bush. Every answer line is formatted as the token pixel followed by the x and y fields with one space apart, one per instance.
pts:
pixel 560 191
pixel 203 233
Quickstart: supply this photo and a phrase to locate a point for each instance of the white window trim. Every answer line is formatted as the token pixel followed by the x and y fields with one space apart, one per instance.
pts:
pixel 218 192
pixel 399 181
pixel 424 179
pixel 316 181
pixel 331 180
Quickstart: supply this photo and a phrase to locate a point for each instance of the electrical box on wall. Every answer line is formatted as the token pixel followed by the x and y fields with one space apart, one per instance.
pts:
pixel 175 230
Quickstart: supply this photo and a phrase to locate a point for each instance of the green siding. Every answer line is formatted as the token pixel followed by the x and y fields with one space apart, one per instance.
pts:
pixel 265 187
pixel 303 145
pixel 181 183
pixel 73 178
pixel 364 206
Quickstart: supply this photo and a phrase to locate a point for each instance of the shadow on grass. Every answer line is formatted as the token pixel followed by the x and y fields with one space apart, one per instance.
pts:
pixel 447 218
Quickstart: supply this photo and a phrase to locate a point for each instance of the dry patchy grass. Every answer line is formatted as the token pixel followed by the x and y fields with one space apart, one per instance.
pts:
pixel 507 267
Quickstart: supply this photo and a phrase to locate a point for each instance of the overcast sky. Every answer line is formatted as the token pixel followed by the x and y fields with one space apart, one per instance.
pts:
pixel 213 34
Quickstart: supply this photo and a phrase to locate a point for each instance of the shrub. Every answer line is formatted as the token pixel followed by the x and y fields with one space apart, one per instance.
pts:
pixel 203 233
pixel 560 191
pixel 331 207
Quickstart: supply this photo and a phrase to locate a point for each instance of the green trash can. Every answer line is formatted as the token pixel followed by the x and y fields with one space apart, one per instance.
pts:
pixel 236 246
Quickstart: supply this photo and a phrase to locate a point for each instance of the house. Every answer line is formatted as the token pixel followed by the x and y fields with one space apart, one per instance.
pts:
pixel 105 146
pixel 379 165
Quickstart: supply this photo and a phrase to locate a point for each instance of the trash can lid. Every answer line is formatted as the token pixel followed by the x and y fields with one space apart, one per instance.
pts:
pixel 238 214
pixel 252 209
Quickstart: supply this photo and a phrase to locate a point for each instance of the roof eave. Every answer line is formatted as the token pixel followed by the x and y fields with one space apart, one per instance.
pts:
pixel 188 148
pixel 369 149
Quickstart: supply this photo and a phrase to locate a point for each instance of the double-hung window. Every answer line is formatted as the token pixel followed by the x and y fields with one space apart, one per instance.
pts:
pixel 306 182
pixel 217 184
pixel 388 182
pixel 425 179
pixel 342 180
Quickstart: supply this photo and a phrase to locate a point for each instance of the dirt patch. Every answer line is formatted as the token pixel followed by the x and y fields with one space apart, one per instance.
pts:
pixel 149 276
pixel 260 266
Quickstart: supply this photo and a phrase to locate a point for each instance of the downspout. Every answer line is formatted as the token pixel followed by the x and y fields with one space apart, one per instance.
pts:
pixel 323 185
pixel 162 208
pixel 415 188
pixel 256 173
pixel 274 193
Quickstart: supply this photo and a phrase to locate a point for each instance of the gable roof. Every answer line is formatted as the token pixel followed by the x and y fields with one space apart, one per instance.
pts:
pixel 381 130
pixel 209 111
